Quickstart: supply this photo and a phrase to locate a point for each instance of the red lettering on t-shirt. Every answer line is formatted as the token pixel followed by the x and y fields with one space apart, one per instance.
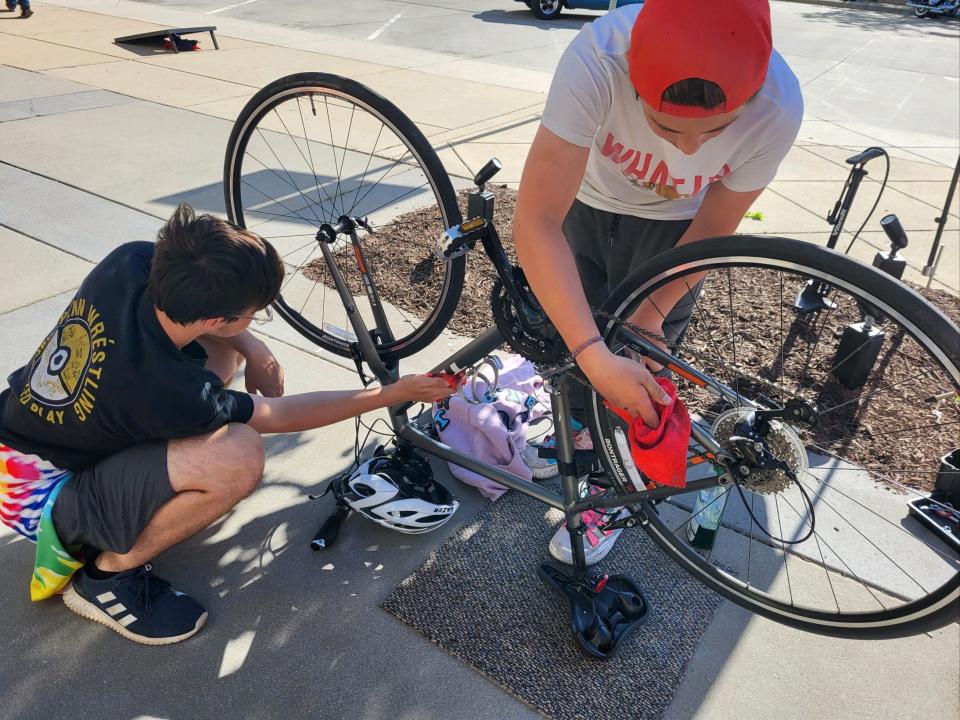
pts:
pixel 640 174
pixel 660 176
pixel 612 148
pixel 725 170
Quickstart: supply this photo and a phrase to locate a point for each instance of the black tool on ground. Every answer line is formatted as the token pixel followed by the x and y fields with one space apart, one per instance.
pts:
pixel 934 258
pixel 948 477
pixel 814 295
pixel 857 352
pixel 861 342
pixel 327 534
pixel 941 511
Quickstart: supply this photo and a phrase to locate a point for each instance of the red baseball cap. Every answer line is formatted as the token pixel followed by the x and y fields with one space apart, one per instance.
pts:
pixel 727 42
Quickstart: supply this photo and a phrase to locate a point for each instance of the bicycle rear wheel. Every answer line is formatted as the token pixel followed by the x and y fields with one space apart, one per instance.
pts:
pixel 837 551
pixel 311 147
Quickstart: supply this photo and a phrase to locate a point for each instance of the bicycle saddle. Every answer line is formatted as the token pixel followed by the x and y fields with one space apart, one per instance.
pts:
pixel 603 611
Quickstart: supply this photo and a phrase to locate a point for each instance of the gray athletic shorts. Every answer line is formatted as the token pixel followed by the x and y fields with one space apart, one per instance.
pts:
pixel 607 248
pixel 107 506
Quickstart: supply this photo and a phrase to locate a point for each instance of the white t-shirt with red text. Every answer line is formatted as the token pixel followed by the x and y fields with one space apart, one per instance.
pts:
pixel 592 103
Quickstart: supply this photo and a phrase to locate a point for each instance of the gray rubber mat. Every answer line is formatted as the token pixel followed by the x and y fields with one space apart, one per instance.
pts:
pixel 478 597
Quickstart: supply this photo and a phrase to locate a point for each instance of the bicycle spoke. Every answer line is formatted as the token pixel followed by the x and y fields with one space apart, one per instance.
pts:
pixel 366 168
pixel 693 515
pixel 806 366
pixel 861 398
pixel 313 169
pixel 309 295
pixel 873 544
pixel 288 254
pixel 733 334
pixel 297 269
pixel 873 473
pixel 287 181
pixel 753 496
pixel 783 399
pixel 287 172
pixel 398 197
pixel 892 524
pixel 380 180
pixel 293 215
pixel 823 561
pixel 333 147
pixel 783 549
pixel 895 432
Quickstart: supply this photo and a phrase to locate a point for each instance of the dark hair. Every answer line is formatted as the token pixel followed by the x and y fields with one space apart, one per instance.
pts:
pixel 695 92
pixel 205 267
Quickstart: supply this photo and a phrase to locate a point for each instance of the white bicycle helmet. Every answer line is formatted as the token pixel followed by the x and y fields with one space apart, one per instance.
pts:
pixel 400 494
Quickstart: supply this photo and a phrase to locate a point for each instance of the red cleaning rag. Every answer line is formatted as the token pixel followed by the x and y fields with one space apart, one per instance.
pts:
pixel 661 452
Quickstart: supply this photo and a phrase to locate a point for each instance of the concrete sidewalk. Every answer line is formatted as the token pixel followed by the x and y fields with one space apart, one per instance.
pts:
pixel 99 143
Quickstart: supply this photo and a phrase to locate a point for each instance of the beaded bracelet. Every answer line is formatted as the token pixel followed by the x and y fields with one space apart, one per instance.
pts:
pixel 584 345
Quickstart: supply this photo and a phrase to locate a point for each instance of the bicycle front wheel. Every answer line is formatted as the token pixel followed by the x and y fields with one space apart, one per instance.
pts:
pixel 836 549
pixel 312 147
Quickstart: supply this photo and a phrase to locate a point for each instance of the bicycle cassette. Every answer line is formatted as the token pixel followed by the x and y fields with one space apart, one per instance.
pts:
pixel 782 441
pixel 526 329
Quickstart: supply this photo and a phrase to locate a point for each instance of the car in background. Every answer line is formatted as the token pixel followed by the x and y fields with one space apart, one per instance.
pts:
pixel 550 9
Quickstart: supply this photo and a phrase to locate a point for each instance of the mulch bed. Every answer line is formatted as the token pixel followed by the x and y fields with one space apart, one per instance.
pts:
pixel 893 430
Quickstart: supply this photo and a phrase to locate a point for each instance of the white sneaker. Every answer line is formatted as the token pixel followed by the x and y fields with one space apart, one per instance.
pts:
pixel 597 543
pixel 542 468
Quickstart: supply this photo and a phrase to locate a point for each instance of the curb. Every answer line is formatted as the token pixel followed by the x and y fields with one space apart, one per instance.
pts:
pixel 858 5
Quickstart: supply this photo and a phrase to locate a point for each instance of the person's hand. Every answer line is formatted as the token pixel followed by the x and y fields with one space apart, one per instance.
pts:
pixel 263 373
pixel 422 388
pixel 648 318
pixel 623 382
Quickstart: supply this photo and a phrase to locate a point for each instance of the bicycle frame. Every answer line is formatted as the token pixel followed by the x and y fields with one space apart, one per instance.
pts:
pixel 474 352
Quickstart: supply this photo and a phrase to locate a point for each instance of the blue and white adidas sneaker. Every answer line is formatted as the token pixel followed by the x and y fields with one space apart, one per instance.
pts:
pixel 137 604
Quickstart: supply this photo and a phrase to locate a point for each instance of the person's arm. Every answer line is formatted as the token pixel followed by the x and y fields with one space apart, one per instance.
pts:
pixel 720 214
pixel 263 373
pixel 551 178
pixel 306 411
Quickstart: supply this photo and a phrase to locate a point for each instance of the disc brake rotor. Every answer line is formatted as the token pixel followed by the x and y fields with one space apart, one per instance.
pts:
pixel 782 441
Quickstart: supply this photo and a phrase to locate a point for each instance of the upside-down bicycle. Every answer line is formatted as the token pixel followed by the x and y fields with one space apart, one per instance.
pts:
pixel 813 472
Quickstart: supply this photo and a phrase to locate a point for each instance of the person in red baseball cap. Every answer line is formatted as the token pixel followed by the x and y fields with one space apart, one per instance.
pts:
pixel 663 124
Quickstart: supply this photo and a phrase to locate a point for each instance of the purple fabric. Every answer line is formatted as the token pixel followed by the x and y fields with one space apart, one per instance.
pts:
pixel 494 432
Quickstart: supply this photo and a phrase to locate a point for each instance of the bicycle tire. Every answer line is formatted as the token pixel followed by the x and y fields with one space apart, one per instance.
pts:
pixel 926 324
pixel 305 84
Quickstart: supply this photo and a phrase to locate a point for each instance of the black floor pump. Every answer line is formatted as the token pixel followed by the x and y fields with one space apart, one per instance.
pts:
pixel 813 297
pixel 861 342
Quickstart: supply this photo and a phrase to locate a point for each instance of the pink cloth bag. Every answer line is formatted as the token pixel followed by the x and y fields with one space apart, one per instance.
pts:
pixel 494 432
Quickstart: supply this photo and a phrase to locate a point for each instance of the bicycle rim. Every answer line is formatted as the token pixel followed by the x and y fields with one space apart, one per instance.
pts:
pixel 310 148
pixel 838 551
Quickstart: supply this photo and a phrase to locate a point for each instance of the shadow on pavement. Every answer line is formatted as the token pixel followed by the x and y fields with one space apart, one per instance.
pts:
pixel 291 633
pixel 566 21
pixel 872 20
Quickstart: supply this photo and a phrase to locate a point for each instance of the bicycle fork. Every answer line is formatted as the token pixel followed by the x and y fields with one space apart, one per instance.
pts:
pixel 326 235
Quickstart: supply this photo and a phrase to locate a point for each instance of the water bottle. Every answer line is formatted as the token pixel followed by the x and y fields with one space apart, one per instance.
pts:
pixel 705 518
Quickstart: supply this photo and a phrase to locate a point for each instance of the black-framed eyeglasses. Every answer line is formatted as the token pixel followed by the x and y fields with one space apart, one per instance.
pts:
pixel 261 318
